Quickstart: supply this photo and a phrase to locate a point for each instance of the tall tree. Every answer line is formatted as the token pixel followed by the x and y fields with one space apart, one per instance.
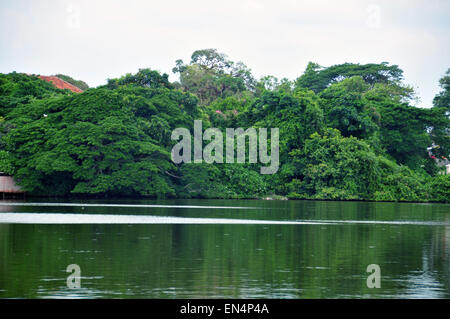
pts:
pixel 443 98
pixel 105 141
pixel 210 75
pixel 440 118
pixel 318 78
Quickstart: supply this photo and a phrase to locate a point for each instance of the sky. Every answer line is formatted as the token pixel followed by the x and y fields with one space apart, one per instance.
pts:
pixel 94 40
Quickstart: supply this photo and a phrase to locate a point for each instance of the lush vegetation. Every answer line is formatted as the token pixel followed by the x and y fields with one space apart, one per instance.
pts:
pixel 347 132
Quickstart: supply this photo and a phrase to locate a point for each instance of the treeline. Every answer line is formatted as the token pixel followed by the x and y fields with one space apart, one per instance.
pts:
pixel 347 132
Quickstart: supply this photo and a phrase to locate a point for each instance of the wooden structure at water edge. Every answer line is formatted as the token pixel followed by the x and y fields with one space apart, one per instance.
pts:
pixel 8 186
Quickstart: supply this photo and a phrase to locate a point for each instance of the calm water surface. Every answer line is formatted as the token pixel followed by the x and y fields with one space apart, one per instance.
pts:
pixel 224 249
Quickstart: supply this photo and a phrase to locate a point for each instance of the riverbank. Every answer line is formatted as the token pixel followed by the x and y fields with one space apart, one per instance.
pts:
pixel 264 198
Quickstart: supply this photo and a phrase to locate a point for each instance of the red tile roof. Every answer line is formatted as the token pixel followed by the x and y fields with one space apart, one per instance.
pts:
pixel 60 84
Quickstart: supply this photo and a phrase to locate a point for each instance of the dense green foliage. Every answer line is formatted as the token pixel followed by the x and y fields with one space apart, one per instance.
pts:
pixel 346 132
pixel 16 89
pixel 317 78
pixel 443 98
pixel 100 142
pixel 210 75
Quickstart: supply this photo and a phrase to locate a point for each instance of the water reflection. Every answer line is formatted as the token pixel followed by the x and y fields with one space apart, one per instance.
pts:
pixel 232 260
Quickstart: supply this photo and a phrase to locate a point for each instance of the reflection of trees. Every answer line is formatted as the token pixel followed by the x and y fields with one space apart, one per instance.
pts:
pixel 438 256
pixel 433 277
pixel 280 261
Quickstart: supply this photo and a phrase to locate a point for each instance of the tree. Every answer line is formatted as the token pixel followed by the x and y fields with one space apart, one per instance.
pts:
pixel 296 115
pixel 212 60
pixel 346 109
pixel 144 78
pixel 318 78
pixel 224 181
pixel 271 83
pixel 440 127
pixel 210 75
pixel 439 188
pixel 443 98
pixel 105 141
pixel 403 132
pixel 346 132
pixel 311 78
pixel 331 166
pixel 18 88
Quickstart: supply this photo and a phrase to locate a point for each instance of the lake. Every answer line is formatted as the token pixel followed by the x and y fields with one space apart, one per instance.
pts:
pixel 224 249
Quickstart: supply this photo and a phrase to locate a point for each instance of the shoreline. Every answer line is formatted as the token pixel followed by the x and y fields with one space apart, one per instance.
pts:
pixel 265 198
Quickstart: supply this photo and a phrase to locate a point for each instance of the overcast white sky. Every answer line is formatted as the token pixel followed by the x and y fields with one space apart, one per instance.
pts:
pixel 94 40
